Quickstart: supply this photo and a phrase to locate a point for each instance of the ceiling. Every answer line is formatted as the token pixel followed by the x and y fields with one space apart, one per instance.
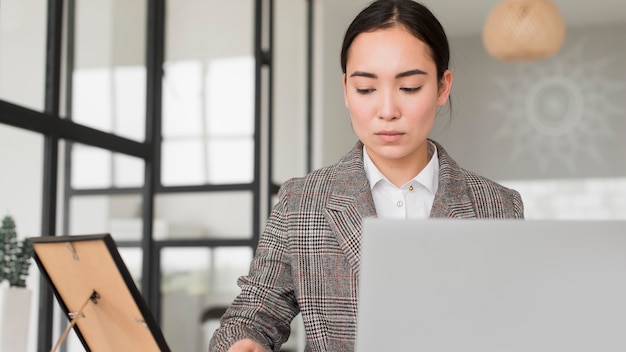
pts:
pixel 465 17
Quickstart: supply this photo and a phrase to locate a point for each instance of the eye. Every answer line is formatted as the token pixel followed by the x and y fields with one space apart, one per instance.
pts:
pixel 410 90
pixel 364 90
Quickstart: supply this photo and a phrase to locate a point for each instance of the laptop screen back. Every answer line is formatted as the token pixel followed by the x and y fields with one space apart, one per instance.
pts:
pixel 492 285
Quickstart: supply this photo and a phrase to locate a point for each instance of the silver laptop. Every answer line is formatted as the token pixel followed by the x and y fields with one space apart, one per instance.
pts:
pixel 492 286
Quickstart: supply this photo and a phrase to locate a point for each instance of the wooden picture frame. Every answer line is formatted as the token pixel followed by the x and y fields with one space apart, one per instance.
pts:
pixel 97 293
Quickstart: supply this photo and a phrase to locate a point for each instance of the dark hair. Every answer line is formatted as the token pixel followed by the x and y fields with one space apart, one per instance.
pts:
pixel 415 17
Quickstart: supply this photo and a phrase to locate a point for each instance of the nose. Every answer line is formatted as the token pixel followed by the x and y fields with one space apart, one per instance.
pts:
pixel 388 106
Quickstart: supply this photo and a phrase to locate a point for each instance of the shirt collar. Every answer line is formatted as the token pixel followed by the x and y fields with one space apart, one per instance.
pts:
pixel 428 177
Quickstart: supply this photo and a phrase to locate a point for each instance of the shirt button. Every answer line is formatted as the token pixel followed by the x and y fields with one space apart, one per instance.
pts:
pixel 400 203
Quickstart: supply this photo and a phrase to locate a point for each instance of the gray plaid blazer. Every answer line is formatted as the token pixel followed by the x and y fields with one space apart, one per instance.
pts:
pixel 307 259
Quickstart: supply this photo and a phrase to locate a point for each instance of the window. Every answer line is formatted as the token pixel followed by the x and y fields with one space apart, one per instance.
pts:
pixel 170 151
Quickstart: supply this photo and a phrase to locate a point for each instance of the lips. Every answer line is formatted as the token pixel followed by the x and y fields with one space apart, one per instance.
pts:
pixel 389 136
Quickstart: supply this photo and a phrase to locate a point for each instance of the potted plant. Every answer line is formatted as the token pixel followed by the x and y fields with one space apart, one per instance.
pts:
pixel 15 297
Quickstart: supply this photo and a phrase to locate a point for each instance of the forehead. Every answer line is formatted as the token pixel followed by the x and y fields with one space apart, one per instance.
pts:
pixel 390 46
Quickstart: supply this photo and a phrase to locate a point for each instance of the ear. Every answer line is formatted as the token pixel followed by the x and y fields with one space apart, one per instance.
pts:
pixel 445 85
pixel 345 90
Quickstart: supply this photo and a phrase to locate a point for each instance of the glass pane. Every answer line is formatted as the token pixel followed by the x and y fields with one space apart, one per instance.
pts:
pixel 119 215
pixel 230 160
pixel 21 190
pixel 132 258
pixel 94 168
pixel 182 106
pixel 182 162
pixel 109 78
pixel 128 171
pixel 219 160
pixel 208 93
pixel 289 78
pixel 205 215
pixel 91 167
pixel 195 281
pixel 230 96
pixel 23 52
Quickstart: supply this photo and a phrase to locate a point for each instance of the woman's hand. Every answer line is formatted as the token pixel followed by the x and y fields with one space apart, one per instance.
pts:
pixel 246 345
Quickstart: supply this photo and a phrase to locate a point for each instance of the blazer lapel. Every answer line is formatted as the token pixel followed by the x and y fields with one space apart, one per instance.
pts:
pixel 349 203
pixel 452 199
pixel 351 199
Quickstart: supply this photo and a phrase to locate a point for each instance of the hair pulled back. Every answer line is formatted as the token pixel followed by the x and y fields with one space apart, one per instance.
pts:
pixel 415 17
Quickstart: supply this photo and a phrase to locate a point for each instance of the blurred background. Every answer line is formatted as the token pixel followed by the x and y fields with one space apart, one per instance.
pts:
pixel 171 125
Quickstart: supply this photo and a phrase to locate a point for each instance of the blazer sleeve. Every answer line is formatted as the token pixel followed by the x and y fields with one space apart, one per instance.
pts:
pixel 264 309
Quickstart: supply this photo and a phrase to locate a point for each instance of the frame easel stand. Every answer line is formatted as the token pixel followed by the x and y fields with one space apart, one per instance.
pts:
pixel 75 316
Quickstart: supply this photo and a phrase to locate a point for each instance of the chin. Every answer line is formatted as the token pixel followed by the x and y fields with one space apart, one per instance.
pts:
pixel 391 152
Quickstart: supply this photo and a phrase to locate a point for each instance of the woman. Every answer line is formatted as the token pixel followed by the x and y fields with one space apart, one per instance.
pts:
pixel 395 62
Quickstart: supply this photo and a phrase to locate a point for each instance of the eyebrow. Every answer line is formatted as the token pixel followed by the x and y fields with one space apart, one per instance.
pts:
pixel 399 75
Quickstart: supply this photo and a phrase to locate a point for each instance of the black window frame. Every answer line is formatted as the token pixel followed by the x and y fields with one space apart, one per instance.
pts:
pixel 54 128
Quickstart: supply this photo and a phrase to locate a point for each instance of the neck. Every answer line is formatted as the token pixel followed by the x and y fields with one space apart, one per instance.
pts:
pixel 400 171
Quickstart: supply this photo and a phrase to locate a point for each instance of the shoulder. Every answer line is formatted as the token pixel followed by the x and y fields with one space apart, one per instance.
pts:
pixel 485 185
pixel 326 180
pixel 491 198
pixel 315 180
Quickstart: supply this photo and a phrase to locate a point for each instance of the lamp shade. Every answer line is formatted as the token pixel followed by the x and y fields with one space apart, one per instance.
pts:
pixel 523 30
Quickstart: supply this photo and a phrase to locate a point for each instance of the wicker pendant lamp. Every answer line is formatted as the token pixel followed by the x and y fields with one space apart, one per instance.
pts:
pixel 523 30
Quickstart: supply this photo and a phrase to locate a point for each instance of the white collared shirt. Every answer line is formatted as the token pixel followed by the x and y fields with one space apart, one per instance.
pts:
pixel 414 199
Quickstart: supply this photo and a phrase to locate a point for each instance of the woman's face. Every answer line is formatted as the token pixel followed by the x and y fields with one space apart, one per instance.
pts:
pixel 392 92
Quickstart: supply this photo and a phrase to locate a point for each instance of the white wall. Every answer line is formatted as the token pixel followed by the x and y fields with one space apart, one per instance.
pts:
pixel 333 132
pixel 563 117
